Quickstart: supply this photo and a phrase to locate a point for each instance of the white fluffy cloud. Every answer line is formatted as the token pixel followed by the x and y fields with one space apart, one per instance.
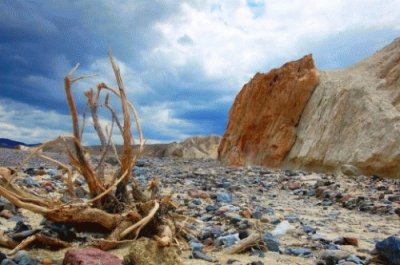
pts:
pixel 231 43
pixel 182 61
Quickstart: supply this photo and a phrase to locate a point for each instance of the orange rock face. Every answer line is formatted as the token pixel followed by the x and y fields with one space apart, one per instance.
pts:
pixel 263 119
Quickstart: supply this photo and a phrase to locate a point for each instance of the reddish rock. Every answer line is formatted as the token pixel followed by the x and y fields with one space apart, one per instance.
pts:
pixel 6 214
pixel 294 185
pixel 263 119
pixel 345 198
pixel 319 192
pixel 89 256
pixel 349 240
pixel 46 262
pixel 198 194
pixel 246 213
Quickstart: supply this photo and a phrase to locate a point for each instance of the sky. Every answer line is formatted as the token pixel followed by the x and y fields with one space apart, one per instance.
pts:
pixel 182 62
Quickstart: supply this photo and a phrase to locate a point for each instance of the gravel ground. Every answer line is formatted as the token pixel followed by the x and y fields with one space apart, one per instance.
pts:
pixel 12 158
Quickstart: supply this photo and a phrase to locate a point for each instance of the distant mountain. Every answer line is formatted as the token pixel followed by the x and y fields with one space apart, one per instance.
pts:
pixel 8 143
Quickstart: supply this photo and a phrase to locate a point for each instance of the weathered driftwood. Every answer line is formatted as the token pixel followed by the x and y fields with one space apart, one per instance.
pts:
pixel 252 240
pixel 124 214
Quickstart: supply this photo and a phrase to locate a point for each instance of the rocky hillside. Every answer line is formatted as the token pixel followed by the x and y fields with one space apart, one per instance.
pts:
pixel 195 147
pixel 351 122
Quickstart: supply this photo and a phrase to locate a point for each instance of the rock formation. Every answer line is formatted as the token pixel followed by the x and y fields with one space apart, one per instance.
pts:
pixel 263 119
pixel 352 119
pixel 197 147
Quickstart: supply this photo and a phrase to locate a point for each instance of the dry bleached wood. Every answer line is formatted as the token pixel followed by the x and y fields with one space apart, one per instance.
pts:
pixel 242 245
pixel 118 213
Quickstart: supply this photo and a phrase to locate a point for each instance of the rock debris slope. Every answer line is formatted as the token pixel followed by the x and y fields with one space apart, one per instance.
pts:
pixel 351 120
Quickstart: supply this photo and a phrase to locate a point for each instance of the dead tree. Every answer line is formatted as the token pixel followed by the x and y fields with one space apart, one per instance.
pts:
pixel 125 215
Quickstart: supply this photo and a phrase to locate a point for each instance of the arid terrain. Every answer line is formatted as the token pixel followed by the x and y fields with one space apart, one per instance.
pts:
pixel 319 216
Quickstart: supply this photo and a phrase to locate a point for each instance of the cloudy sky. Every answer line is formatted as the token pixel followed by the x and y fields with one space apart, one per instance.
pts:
pixel 183 62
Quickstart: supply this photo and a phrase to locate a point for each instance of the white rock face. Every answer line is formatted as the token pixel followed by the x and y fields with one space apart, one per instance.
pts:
pixel 353 118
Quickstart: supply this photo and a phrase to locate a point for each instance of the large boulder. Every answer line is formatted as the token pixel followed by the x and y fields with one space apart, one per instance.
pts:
pixel 353 118
pixel 390 249
pixel 351 121
pixel 90 256
pixel 263 119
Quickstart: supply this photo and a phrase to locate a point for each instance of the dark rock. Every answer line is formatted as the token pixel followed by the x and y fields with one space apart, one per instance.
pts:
pixel 256 263
pixel 394 198
pixel 21 226
pixel 216 231
pixel 211 208
pixel 22 235
pixel 327 202
pixel 141 163
pixel 275 222
pixel 63 231
pixel 308 229
pixel 331 257
pixel 271 242
pixel 2 256
pixel 224 197
pixel 256 214
pixel 196 246
pixel 200 255
pixel 292 218
pixel 196 201
pixel 8 262
pixel 397 211
pixel 243 234
pixel 30 182
pixel 390 249
pixel 355 260
pixel 23 258
pixel 229 240
pixel 80 192
pixel 303 252
pixel 89 256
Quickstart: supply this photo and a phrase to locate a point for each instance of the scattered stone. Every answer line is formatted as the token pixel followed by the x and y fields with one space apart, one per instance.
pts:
pixel 303 252
pixel 349 240
pixel 200 255
pixel 89 256
pixel 2 256
pixel 224 197
pixel 8 262
pixel 332 257
pixel 198 194
pixel 271 242
pixel 390 249
pixel 294 185
pixel 354 259
pixel 228 240
pixel 196 246
pixel 256 263
pixel 309 229
pixel 23 258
